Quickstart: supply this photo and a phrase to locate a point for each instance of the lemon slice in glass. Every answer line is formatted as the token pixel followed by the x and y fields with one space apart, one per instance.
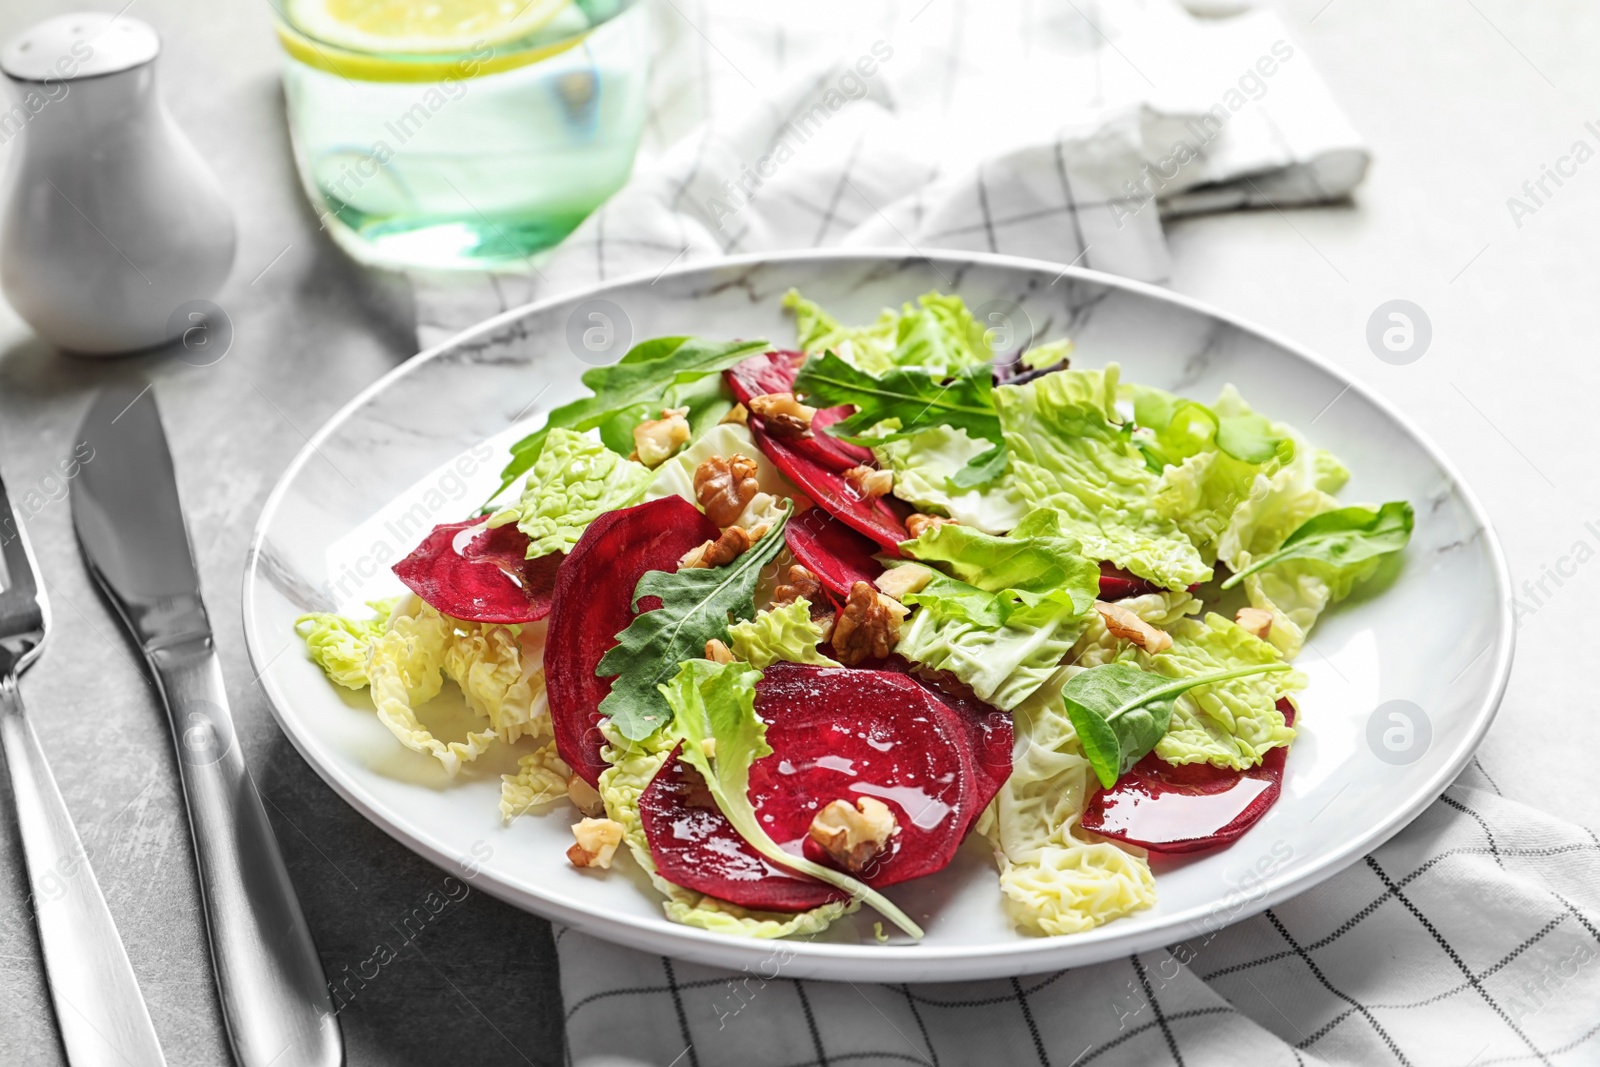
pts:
pixel 429 27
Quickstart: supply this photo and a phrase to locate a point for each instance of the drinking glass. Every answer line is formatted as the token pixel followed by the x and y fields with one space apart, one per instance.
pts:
pixel 475 157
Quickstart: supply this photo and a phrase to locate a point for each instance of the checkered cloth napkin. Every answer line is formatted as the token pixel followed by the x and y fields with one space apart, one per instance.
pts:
pixel 1044 128
pixel 1470 939
pixel 1064 131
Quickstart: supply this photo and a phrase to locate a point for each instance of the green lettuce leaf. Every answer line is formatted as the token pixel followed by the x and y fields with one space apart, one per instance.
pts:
pixel 999 644
pixel 1053 881
pixel 713 707
pixel 1069 452
pixel 574 481
pixel 675 477
pixel 786 633
pixel 925 467
pixel 940 335
pixel 1179 428
pixel 340 645
pixel 1231 724
pixel 1295 594
pixel 697 604
pixel 1035 558
pixel 637 383
pixel 1201 493
pixel 419 649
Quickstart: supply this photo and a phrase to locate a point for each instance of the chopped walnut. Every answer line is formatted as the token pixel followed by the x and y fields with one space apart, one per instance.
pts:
pixel 918 524
pixel 724 485
pixel 869 483
pixel 868 627
pixel 725 549
pixel 782 415
pixel 1129 627
pixel 657 440
pixel 597 843
pixel 798 584
pixel 854 836
pixel 1257 621
pixel 901 581
pixel 738 414
pixel 717 652
pixel 584 797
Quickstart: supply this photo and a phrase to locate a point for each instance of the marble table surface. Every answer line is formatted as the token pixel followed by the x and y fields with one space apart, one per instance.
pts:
pixel 1462 104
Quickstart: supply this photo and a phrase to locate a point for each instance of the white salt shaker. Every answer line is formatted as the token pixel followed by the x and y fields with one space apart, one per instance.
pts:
pixel 112 222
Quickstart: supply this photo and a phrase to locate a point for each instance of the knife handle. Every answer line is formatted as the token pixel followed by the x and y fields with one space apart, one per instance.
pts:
pixel 99 1009
pixel 274 997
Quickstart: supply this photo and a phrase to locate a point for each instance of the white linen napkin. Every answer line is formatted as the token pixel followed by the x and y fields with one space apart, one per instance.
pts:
pixel 1059 131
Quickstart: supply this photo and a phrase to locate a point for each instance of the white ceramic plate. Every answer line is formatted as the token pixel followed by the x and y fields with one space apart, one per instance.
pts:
pixel 424 444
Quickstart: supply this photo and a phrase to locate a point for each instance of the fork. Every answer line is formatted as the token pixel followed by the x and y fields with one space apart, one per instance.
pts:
pixel 99 1009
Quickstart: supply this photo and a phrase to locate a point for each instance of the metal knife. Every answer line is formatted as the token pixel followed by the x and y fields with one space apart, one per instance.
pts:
pixel 130 524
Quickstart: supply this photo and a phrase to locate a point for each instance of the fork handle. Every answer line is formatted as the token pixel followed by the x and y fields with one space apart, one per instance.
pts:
pixel 99 1009
pixel 274 998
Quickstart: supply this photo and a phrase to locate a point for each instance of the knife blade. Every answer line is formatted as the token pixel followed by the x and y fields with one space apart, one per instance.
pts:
pixel 129 520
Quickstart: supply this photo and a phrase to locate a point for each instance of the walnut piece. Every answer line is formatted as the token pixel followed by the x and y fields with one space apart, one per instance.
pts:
pixel 1129 627
pixel 782 415
pixel 717 652
pixel 798 584
pixel 869 483
pixel 854 836
pixel 868 627
pixel 903 580
pixel 724 550
pixel 724 485
pixel 738 414
pixel 1257 621
pixel 597 843
pixel 657 440
pixel 919 523
pixel 584 797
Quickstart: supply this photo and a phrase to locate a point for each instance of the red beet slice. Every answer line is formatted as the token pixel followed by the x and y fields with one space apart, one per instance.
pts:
pixel 827 449
pixel 877 517
pixel 593 603
pixel 695 846
pixel 467 571
pixel 835 553
pixel 1190 808
pixel 989 731
pixel 836 733
pixel 770 372
pixel 774 372
pixel 1118 584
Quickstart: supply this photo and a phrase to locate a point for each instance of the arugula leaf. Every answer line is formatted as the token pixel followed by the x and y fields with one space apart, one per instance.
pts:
pixel 642 377
pixel 981 469
pixel 696 604
pixel 713 708
pixel 918 398
pixel 1341 538
pixel 1120 711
